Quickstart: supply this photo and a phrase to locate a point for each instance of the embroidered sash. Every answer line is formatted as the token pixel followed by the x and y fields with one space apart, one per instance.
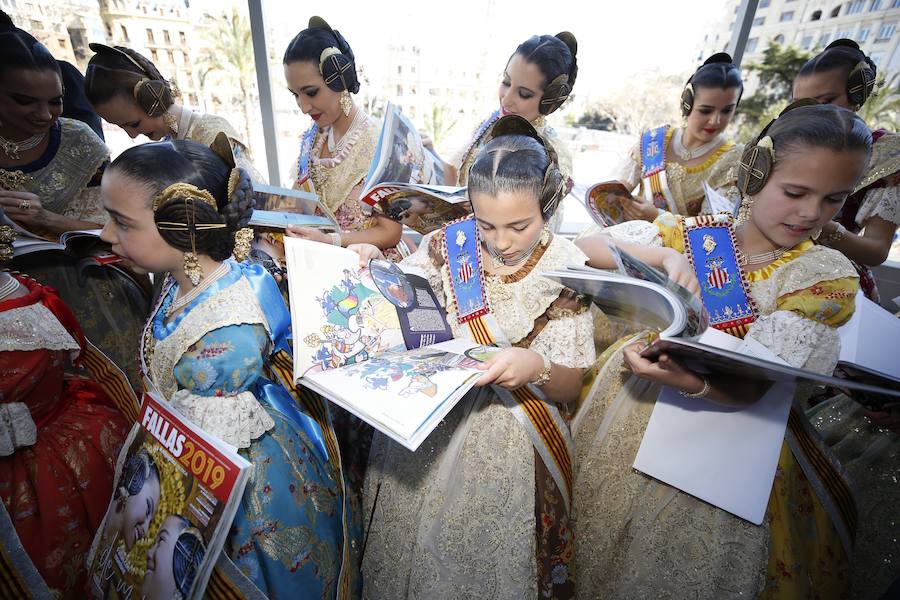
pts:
pixel 540 417
pixel 653 169
pixel 709 244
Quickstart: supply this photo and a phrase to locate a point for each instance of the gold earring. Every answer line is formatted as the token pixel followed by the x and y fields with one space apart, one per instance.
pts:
pixel 242 240
pixel 745 209
pixel 171 122
pixel 540 122
pixel 346 103
pixel 545 235
pixel 192 268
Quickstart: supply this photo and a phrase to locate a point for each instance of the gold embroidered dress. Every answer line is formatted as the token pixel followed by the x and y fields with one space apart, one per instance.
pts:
pixel 473 513
pixel 640 538
pixel 204 128
pixel 719 170
pixel 338 180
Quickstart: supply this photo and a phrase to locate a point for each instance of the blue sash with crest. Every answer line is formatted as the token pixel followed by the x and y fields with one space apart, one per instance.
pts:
pixel 462 250
pixel 709 244
pixel 653 169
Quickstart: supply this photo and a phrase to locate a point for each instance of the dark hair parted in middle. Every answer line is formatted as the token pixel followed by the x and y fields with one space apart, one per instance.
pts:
pixel 340 72
pixel 555 56
pixel 820 126
pixel 517 162
pixel 159 165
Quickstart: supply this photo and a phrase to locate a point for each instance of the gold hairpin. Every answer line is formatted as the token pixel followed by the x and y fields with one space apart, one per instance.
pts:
pixel 183 190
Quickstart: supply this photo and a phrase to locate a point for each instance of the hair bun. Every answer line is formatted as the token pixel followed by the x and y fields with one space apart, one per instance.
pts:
pixel 569 40
pixel 719 58
pixel 239 209
pixel 6 22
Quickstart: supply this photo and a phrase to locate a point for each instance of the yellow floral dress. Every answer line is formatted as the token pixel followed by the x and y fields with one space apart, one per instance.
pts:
pixel 640 538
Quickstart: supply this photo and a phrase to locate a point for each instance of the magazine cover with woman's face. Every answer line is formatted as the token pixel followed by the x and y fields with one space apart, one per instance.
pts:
pixel 174 498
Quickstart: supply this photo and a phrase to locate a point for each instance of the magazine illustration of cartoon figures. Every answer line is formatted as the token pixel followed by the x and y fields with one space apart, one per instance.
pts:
pixel 409 374
pixel 359 323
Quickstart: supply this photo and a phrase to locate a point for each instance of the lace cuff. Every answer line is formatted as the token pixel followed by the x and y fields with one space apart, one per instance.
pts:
pixel 17 428
pixel 642 233
pixel 880 202
pixel 568 342
pixel 801 342
pixel 237 420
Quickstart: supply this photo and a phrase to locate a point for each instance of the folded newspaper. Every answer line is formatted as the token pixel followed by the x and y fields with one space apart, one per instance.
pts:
pixel 375 340
pixel 176 493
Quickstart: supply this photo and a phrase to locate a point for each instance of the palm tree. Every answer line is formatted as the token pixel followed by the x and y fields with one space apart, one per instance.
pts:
pixel 438 123
pixel 882 109
pixel 230 50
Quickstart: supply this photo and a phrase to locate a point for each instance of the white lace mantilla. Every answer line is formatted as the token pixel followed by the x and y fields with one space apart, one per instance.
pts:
pixel 813 266
pixel 236 419
pixel 234 305
pixel 880 202
pixel 33 327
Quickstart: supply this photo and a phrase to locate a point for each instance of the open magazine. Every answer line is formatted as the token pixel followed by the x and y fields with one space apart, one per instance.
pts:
pixel 648 299
pixel 189 484
pixel 85 243
pixel 374 340
pixel 604 202
pixel 278 207
pixel 405 180
pixel 423 208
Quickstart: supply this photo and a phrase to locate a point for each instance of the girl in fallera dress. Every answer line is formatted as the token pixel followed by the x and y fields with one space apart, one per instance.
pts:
pixel 865 441
pixel 481 509
pixel 641 538
pixel 337 149
pixel 215 348
pixel 126 89
pixel 698 152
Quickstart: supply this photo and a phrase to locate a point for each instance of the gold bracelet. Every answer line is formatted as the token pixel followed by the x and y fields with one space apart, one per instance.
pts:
pixel 701 394
pixel 544 376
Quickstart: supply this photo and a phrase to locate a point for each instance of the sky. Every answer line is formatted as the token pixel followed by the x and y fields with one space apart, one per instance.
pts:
pixel 615 39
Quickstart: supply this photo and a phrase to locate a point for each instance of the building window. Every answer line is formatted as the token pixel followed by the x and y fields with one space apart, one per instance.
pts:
pixel 124 33
pixel 171 56
pixel 876 5
pixel 399 69
pixel 762 4
pixel 751 45
pixel 816 15
pixel 787 16
pixel 183 38
pixel 166 36
pixel 150 39
pixel 887 30
pixel 856 7
pixel 779 39
pixel 806 42
pixel 876 58
pixel 895 4
pixel 399 90
pixel 759 21
pixel 824 39
pixel 843 33
pixel 836 11
pixel 863 34
pixel 153 55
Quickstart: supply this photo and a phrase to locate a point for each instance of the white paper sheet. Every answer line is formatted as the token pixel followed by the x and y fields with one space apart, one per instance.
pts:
pixel 722 455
